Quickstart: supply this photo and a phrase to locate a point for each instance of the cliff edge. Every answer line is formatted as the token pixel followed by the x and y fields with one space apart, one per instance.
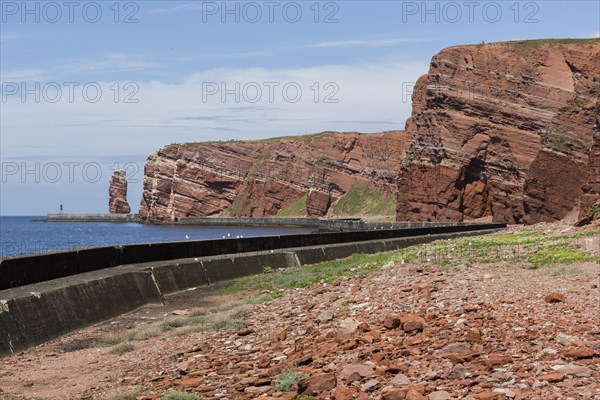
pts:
pixel 507 131
pixel 289 176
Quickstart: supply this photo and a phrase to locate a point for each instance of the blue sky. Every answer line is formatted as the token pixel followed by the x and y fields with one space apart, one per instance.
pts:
pixel 136 75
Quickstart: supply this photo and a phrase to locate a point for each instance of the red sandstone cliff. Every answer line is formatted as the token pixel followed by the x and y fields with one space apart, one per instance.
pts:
pixel 302 175
pixel 509 131
pixel 117 194
pixel 504 131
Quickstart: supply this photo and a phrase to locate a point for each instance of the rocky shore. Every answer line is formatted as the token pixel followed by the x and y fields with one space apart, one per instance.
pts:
pixel 513 315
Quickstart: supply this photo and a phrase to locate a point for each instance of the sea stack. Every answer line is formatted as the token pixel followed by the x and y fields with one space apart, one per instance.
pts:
pixel 117 194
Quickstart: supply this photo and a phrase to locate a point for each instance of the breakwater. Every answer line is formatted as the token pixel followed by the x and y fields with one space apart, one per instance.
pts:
pixel 324 224
pixel 33 313
pixel 92 218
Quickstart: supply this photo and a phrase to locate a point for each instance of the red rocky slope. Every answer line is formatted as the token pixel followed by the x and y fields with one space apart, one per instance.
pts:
pixel 506 130
pixel 260 178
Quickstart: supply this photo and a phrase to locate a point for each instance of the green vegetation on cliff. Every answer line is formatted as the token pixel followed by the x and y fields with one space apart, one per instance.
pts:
pixel 540 42
pixel 360 200
pixel 243 199
pixel 296 209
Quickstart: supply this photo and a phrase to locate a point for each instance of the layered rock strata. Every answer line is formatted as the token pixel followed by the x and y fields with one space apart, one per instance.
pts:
pixel 265 177
pixel 117 194
pixel 508 131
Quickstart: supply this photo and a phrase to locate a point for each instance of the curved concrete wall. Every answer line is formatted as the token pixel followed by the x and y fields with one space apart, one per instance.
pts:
pixel 24 270
pixel 35 313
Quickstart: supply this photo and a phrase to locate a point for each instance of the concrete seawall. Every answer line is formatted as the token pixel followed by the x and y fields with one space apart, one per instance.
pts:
pixel 324 224
pixel 92 218
pixel 25 270
pixel 33 314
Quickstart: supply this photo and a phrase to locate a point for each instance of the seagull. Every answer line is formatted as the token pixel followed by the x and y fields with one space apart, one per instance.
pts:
pixel 229 235
pixel 187 237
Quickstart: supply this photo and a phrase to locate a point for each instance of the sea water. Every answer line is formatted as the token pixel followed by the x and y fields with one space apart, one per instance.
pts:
pixel 24 235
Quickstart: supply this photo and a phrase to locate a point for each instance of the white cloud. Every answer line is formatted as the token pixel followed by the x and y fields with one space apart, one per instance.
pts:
pixel 9 36
pixel 115 62
pixel 365 43
pixel 177 8
pixel 25 75
pixel 241 54
pixel 370 99
pixel 179 112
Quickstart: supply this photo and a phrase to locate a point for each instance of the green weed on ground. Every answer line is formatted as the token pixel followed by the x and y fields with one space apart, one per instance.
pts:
pixel 180 396
pixel 122 348
pixel 124 396
pixel 287 379
pixel 583 234
pixel 225 316
pixel 301 277
pixel 532 247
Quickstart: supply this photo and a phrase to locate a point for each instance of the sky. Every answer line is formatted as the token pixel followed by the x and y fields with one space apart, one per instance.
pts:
pixel 89 87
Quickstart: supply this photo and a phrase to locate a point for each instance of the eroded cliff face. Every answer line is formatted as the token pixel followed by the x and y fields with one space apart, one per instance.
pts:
pixel 508 131
pixel 117 194
pixel 504 131
pixel 302 175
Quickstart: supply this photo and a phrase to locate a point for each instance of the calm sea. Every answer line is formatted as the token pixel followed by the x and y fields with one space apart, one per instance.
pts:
pixel 22 235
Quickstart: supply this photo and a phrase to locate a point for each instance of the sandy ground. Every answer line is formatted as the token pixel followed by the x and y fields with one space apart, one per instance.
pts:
pixel 412 330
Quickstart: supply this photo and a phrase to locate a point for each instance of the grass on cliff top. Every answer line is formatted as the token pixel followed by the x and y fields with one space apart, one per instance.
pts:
pixel 306 138
pixel 532 248
pixel 360 200
pixel 539 42
pixel 534 43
